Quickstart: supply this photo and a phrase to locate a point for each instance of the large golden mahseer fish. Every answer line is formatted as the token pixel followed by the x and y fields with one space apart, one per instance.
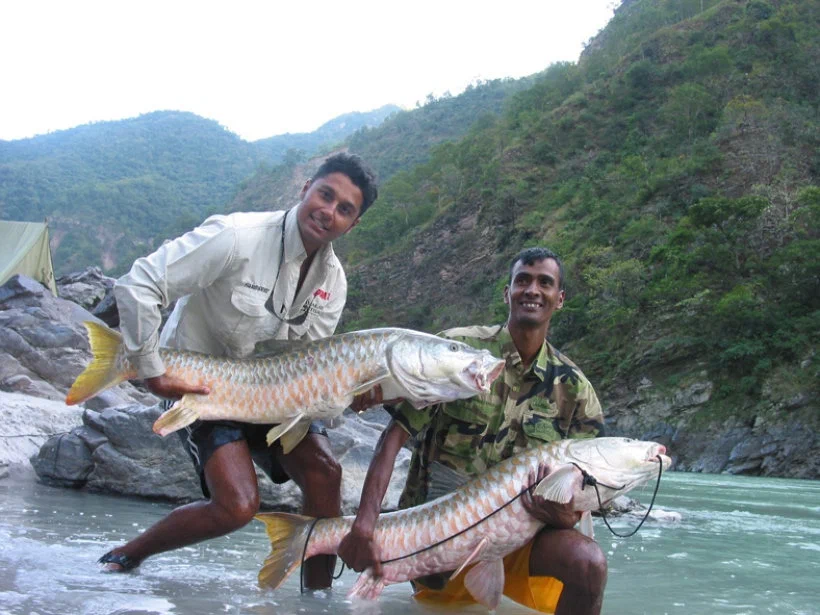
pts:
pixel 302 381
pixel 473 528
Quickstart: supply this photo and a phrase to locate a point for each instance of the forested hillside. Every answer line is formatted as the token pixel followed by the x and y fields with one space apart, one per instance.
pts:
pixel 336 130
pixel 402 141
pixel 112 190
pixel 675 168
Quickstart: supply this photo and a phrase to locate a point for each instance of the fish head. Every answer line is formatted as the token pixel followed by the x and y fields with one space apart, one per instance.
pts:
pixel 432 369
pixel 618 465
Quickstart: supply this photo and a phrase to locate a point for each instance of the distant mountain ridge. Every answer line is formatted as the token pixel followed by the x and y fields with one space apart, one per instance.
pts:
pixel 111 190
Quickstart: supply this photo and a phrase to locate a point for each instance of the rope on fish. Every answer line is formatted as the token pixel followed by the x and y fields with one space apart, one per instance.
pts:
pixel 592 481
pixel 304 552
pixel 457 534
pixel 588 480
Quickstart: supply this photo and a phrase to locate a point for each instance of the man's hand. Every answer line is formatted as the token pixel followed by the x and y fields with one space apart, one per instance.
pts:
pixel 173 388
pixel 359 551
pixel 552 514
pixel 368 399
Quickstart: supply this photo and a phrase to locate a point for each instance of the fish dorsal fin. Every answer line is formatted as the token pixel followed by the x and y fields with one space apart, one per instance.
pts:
pixel 586 525
pixel 443 480
pixel 272 348
pixel 470 558
pixel 279 431
pixel 559 485
pixel 485 582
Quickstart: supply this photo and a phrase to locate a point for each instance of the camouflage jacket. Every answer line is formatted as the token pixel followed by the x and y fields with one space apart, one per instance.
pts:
pixel 549 401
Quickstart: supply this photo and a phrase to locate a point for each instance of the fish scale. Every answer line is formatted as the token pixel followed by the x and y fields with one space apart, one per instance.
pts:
pixel 441 535
pixel 271 390
pixel 292 388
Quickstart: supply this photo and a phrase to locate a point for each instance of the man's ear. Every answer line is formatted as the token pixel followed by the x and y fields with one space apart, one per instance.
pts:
pixel 507 294
pixel 305 189
pixel 560 303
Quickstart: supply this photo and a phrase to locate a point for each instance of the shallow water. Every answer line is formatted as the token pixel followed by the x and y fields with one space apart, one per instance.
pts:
pixel 743 546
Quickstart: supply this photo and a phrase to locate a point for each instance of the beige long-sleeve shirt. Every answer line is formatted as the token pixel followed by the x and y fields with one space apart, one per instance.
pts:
pixel 222 274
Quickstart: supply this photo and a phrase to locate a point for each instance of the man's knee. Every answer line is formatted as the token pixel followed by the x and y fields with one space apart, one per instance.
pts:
pixel 325 476
pixel 313 467
pixel 237 510
pixel 571 558
pixel 591 567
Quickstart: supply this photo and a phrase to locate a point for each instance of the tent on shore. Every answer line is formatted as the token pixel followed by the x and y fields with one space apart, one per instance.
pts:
pixel 24 249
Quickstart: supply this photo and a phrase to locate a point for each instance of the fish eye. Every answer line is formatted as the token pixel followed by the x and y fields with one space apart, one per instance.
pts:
pixel 454 347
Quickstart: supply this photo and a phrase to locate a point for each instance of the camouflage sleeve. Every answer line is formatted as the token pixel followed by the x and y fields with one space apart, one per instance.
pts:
pixel 413 421
pixel 588 418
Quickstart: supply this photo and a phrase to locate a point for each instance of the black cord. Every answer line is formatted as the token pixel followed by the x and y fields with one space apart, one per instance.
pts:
pixel 457 534
pixel 588 480
pixel 304 551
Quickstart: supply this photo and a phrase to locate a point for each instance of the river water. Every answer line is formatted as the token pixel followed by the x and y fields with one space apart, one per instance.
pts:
pixel 743 545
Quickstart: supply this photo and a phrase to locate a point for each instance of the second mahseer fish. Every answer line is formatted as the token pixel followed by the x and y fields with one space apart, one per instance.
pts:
pixel 304 382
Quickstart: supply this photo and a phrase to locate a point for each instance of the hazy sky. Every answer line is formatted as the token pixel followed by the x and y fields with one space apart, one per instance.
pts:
pixel 265 68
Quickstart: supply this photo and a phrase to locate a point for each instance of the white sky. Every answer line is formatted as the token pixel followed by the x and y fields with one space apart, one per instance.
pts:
pixel 266 68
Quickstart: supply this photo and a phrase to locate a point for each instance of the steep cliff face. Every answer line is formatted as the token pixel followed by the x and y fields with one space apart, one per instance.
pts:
pixel 775 437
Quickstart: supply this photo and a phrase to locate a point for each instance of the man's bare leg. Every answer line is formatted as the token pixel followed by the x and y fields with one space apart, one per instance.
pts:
pixel 312 466
pixel 231 479
pixel 576 561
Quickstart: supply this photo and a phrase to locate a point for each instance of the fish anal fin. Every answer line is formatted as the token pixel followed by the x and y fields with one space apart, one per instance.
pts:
pixel 280 431
pixel 294 436
pixel 471 557
pixel 367 586
pixel 180 415
pixel 585 527
pixel 559 485
pixel 485 582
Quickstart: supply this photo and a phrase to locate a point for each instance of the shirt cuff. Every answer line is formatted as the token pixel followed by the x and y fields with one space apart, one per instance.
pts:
pixel 148 365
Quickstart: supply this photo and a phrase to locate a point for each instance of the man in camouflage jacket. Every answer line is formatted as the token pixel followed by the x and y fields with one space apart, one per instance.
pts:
pixel 541 396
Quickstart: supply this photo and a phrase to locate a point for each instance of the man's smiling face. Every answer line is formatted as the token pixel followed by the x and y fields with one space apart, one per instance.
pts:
pixel 534 293
pixel 330 207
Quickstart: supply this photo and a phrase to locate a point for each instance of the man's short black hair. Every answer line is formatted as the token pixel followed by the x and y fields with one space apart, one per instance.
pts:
pixel 530 256
pixel 358 172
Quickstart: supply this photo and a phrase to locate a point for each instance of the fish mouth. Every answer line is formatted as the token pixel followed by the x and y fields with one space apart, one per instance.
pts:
pixel 482 372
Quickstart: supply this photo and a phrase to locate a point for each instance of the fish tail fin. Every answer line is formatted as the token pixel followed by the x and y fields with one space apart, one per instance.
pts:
pixel 180 415
pixel 108 366
pixel 288 534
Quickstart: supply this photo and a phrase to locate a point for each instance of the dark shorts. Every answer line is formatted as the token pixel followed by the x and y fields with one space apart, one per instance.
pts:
pixel 201 439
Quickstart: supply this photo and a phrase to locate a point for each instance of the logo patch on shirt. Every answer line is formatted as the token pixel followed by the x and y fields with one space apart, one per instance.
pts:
pixel 322 294
pixel 261 289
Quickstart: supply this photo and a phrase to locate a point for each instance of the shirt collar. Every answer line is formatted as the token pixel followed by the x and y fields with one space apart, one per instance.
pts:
pixel 294 248
pixel 538 368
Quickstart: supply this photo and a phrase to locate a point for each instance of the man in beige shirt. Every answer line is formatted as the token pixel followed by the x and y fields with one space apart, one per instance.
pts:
pixel 238 280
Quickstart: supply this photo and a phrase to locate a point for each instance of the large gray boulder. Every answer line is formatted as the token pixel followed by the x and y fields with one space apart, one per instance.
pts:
pixel 44 346
pixel 115 451
pixel 28 423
